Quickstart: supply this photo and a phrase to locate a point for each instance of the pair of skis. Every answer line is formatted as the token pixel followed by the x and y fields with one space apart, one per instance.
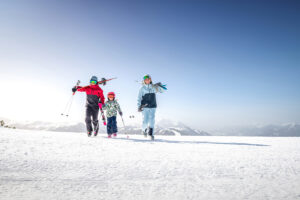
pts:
pixel 159 87
pixel 103 82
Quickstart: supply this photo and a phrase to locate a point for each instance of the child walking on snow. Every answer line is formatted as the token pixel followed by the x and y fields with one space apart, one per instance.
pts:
pixel 112 108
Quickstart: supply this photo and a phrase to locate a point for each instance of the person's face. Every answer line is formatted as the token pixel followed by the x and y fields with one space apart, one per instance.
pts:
pixel 147 81
pixel 111 97
pixel 93 82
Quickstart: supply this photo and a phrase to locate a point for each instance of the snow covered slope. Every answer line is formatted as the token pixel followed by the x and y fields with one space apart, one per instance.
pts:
pixel 57 165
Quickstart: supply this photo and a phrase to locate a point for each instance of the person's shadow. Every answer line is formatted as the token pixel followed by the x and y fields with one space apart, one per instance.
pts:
pixel 190 142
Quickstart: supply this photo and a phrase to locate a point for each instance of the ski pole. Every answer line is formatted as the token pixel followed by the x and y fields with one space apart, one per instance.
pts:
pixel 68 111
pixel 69 104
pixel 124 126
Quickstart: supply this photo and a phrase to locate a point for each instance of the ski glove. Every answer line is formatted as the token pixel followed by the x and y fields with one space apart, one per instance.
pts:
pixel 121 113
pixel 140 109
pixel 74 89
pixel 158 84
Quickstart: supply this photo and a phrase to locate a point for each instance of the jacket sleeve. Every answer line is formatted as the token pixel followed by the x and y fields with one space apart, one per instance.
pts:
pixel 104 106
pixel 118 107
pixel 81 89
pixel 102 98
pixel 140 96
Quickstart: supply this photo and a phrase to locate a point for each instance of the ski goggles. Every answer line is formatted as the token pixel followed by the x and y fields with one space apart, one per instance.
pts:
pixel 93 82
pixel 146 77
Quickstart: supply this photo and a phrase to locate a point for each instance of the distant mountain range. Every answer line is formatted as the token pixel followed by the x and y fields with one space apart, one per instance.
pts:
pixel 285 130
pixel 164 127
pixel 167 127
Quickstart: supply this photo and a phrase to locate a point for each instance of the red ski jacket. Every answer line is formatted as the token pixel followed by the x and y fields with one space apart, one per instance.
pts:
pixel 93 94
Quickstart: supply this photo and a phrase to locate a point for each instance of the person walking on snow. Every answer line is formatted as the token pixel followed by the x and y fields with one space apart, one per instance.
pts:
pixel 112 107
pixel 94 97
pixel 147 105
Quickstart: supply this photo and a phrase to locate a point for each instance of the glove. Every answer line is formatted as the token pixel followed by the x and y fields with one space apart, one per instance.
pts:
pixel 74 89
pixel 103 80
pixel 121 113
pixel 140 109
pixel 158 84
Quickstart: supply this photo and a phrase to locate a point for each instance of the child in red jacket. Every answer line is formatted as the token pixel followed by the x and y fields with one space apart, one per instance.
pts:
pixel 94 96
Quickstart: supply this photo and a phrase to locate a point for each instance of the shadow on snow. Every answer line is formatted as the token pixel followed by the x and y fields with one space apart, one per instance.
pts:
pixel 190 142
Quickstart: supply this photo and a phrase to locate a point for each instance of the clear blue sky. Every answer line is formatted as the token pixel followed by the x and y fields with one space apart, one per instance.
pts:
pixel 225 62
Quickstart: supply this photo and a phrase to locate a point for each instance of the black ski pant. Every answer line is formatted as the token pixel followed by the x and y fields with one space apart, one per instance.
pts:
pixel 91 115
pixel 112 125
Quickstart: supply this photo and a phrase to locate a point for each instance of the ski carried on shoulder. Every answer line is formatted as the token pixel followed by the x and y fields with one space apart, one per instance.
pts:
pixel 158 86
pixel 103 82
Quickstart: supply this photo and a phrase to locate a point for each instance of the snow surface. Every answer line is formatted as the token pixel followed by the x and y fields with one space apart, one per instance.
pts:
pixel 57 165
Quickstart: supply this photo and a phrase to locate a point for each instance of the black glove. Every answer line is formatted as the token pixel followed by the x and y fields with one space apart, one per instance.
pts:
pixel 74 89
pixel 140 109
pixel 158 84
pixel 121 113
pixel 103 80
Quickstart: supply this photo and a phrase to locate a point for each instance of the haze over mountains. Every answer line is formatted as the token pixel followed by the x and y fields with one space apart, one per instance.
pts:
pixel 284 130
pixel 165 127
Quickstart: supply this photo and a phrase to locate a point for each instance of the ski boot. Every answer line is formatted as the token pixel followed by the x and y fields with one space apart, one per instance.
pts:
pixel 89 133
pixel 151 133
pixel 96 131
pixel 109 136
pixel 115 134
pixel 145 133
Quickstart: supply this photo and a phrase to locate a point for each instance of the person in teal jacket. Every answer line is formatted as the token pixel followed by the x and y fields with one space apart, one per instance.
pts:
pixel 147 105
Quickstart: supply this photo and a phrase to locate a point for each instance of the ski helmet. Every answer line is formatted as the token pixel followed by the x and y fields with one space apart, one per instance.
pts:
pixel 111 94
pixel 147 76
pixel 94 78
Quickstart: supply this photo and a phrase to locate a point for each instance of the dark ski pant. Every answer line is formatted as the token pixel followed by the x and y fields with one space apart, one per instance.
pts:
pixel 91 116
pixel 112 125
